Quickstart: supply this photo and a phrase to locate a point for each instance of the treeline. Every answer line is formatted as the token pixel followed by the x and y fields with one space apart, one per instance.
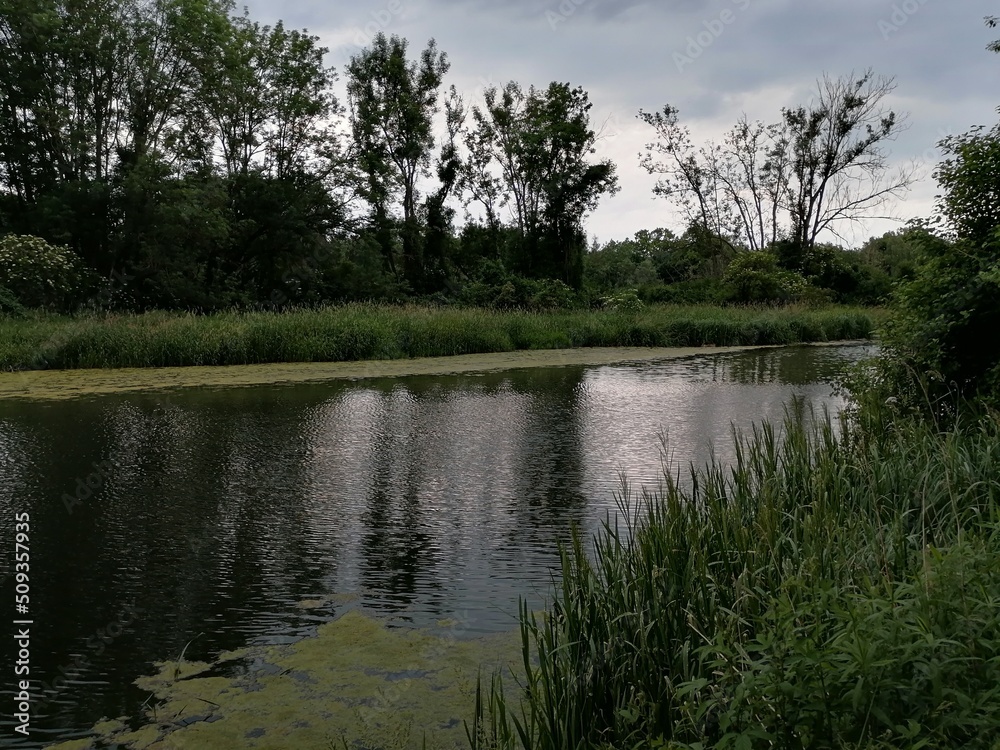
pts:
pixel 659 266
pixel 175 154
pixel 192 157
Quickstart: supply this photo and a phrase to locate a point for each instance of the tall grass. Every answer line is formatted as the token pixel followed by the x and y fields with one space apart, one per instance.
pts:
pixel 357 332
pixel 832 588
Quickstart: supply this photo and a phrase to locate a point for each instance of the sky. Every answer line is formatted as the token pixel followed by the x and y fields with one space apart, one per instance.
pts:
pixel 712 59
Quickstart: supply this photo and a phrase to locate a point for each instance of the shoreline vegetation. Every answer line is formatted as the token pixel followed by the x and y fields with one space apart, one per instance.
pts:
pixel 359 332
pixel 836 586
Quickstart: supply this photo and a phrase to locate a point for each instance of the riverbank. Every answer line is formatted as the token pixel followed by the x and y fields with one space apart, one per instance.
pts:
pixel 831 588
pixel 369 332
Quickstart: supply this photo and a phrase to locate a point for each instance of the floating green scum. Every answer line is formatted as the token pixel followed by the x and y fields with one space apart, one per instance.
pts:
pixel 357 683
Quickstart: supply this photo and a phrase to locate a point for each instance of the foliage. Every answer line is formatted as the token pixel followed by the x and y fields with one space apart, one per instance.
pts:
pixel 196 159
pixel 944 317
pixel 368 331
pixel 895 254
pixel 734 189
pixel 39 274
pixel 539 141
pixel 755 277
pixel 840 170
pixel 819 166
pixel 823 591
pixel 695 291
pixel 393 102
pixel 9 304
pixel 627 301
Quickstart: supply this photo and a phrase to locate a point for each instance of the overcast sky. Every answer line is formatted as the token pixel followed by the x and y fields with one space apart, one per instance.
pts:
pixel 713 59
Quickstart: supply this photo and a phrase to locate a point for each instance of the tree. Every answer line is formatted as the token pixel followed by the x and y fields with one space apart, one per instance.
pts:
pixel 840 171
pixel 392 105
pixel 735 189
pixel 896 253
pixel 438 214
pixel 539 141
pixel 946 318
pixel 821 166
pixel 939 343
pixel 87 91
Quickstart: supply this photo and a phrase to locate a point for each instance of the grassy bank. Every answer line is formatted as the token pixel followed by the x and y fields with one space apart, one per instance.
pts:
pixel 358 332
pixel 829 590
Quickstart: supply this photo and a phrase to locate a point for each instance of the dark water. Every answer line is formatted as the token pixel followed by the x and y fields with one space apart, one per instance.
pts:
pixel 210 514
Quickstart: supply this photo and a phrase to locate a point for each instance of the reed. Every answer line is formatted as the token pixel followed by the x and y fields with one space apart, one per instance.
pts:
pixel 359 332
pixel 830 588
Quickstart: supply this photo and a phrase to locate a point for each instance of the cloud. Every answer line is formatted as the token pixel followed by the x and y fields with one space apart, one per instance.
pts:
pixel 765 55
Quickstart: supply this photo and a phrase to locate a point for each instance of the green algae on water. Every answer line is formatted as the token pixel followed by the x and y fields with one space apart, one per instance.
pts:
pixel 357 683
pixel 63 384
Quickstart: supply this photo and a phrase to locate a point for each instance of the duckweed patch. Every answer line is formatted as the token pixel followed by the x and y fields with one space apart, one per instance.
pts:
pixel 357 683
pixel 63 384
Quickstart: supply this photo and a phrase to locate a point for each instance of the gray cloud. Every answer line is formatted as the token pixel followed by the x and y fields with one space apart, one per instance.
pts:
pixel 752 55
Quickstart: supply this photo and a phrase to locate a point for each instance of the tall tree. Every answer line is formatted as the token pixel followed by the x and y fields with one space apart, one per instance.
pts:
pixel 392 105
pixel 268 94
pixel 438 214
pixel 840 170
pixel 734 190
pixel 819 167
pixel 540 141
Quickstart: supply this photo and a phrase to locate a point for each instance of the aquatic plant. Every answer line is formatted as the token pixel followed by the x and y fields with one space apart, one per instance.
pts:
pixel 831 588
pixel 360 332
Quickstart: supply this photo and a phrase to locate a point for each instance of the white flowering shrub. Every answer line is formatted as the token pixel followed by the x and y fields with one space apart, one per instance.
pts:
pixel 625 301
pixel 39 274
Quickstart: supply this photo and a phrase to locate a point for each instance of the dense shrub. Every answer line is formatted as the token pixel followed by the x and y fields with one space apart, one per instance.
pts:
pixel 756 277
pixel 9 304
pixel 625 301
pixel 695 291
pixel 495 287
pixel 941 339
pixel 39 274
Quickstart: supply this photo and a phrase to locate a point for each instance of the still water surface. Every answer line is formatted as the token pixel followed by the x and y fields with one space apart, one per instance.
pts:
pixel 211 514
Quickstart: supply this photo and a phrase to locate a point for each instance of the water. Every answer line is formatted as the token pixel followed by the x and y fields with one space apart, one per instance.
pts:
pixel 201 519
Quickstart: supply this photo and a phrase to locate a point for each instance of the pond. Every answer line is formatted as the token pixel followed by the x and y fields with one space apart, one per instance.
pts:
pixel 204 519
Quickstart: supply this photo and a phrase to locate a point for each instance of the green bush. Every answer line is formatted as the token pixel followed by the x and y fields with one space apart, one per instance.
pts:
pixel 941 339
pixel 9 304
pixel 624 301
pixel 692 292
pixel 496 288
pixel 40 274
pixel 756 277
